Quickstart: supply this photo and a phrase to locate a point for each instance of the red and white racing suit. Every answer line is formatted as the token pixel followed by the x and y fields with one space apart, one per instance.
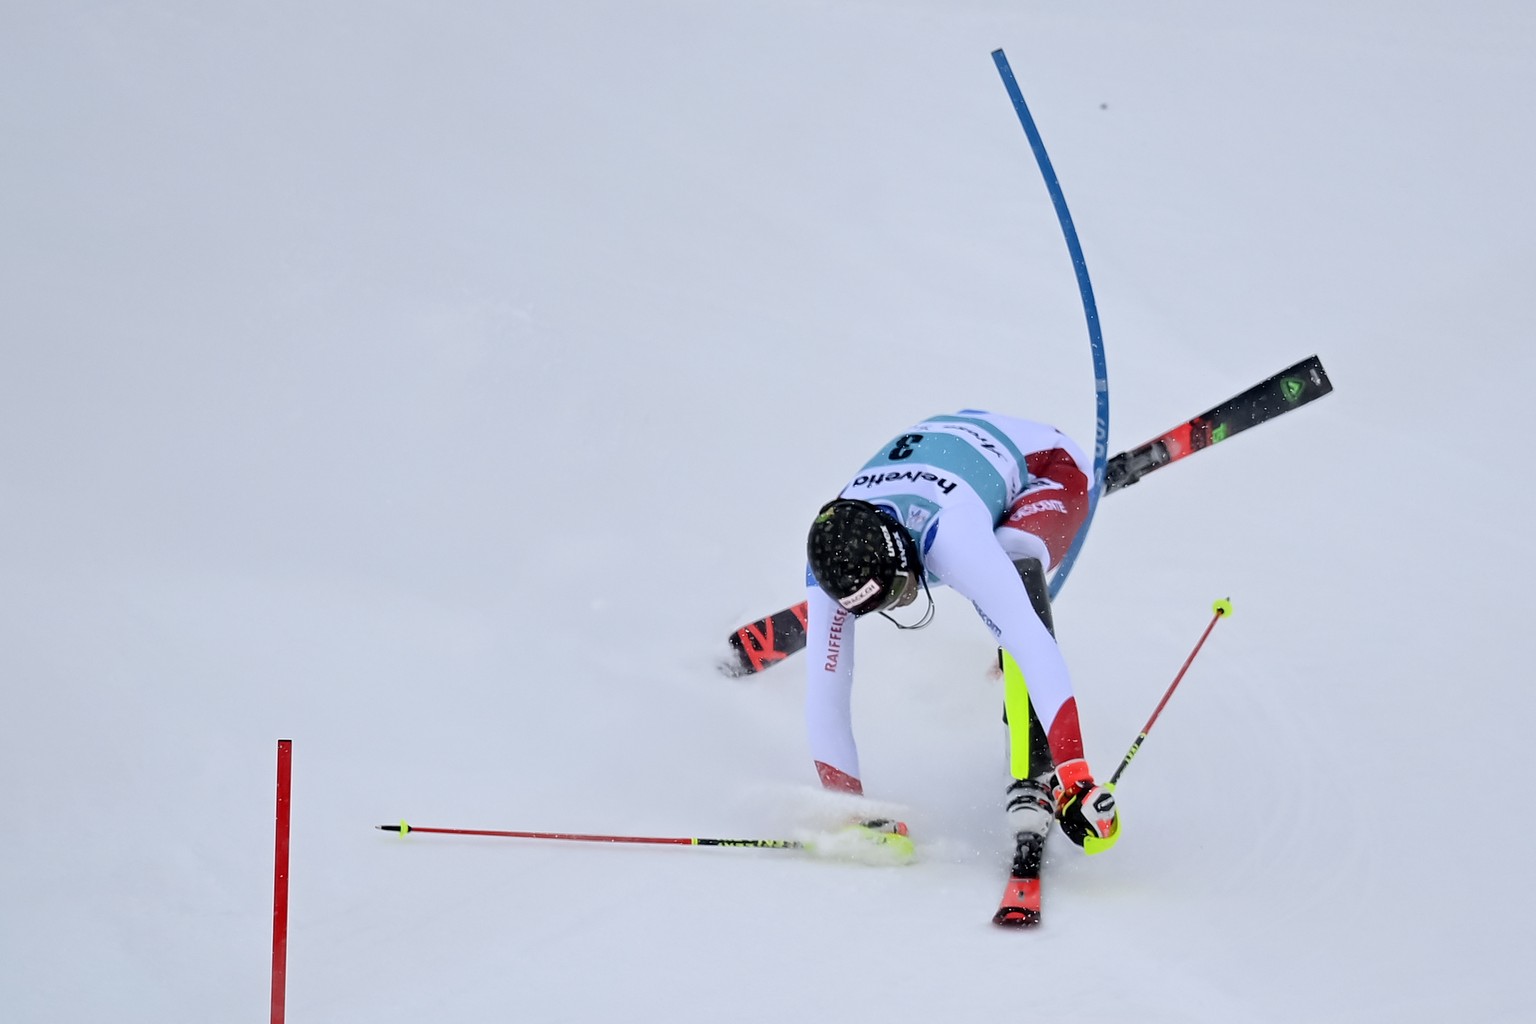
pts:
pixel 976 491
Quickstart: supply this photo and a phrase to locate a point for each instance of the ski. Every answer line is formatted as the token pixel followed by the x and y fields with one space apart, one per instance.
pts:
pixel 1020 905
pixel 765 642
pixel 761 644
pixel 1291 388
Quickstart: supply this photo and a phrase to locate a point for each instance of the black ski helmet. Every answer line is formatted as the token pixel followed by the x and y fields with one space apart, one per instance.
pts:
pixel 862 557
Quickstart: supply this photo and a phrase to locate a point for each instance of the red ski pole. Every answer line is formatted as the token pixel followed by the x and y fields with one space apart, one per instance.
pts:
pixel 765 844
pixel 1222 608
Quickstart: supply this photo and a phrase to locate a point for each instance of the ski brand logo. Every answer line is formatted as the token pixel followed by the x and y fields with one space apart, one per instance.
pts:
pixel 758 645
pixel 1291 388
pixel 1219 434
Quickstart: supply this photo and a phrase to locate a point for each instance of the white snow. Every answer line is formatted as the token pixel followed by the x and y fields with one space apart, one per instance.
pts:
pixel 437 385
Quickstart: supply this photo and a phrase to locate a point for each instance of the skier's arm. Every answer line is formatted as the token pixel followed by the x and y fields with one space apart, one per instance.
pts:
pixel 829 692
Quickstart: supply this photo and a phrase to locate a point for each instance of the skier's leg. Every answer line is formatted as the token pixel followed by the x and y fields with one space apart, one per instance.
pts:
pixel 1043 521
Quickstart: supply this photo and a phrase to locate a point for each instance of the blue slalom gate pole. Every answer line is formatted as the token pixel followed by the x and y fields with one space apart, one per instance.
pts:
pixel 1090 310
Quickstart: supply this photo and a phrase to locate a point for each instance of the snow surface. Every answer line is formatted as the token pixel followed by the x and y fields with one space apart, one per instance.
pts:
pixel 437 385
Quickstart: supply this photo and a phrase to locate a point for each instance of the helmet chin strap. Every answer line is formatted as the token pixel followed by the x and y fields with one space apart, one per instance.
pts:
pixel 928 612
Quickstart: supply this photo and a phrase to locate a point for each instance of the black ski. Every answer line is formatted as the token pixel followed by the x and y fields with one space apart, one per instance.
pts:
pixel 1294 386
pixel 767 641
pixel 757 645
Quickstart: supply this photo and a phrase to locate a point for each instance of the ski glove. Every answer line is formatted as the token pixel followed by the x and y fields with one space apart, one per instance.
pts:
pixel 1085 809
pixel 884 834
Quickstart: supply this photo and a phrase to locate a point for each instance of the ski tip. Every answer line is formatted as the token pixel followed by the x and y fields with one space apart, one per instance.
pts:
pixel 732 666
pixel 1222 607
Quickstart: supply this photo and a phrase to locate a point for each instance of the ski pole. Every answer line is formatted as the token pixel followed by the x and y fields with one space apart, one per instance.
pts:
pixel 1221 609
pixel 764 844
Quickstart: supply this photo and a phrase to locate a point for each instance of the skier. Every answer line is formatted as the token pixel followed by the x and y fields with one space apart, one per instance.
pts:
pixel 985 504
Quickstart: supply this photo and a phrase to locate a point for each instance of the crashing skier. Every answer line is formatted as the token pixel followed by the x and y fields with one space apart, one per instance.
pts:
pixel 986 505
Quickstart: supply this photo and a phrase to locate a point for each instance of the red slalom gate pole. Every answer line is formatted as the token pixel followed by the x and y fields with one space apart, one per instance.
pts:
pixel 280 883
pixel 1221 608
